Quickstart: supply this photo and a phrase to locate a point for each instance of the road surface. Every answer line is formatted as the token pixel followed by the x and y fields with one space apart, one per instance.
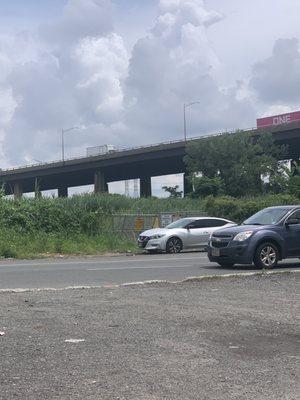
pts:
pixel 99 271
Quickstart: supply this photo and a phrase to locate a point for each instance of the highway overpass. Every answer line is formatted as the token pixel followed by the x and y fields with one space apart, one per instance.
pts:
pixel 141 162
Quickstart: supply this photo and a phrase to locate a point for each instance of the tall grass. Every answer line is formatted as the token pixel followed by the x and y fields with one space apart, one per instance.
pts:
pixel 77 225
pixel 83 224
pixel 40 244
pixel 88 214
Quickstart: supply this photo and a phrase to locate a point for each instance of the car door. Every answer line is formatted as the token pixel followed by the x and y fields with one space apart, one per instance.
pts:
pixel 196 234
pixel 213 224
pixel 292 233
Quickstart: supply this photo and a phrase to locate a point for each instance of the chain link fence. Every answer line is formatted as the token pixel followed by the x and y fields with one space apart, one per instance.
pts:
pixel 134 224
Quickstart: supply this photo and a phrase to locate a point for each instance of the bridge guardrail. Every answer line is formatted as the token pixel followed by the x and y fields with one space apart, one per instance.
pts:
pixel 122 150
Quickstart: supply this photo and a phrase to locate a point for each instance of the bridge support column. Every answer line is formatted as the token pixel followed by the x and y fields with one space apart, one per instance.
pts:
pixel 187 185
pixel 63 191
pixel 145 186
pixel 294 164
pixel 18 191
pixel 100 184
pixel 37 191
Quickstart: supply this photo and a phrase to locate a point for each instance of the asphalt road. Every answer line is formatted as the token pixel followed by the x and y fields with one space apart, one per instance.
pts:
pixel 100 271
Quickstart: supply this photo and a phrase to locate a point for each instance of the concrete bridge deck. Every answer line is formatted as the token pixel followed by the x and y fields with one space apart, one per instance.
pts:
pixel 140 162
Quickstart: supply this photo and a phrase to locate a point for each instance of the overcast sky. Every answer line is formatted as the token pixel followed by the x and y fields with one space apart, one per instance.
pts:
pixel 122 69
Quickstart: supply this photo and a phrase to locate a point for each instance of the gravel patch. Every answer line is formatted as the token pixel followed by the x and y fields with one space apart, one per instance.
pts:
pixel 212 339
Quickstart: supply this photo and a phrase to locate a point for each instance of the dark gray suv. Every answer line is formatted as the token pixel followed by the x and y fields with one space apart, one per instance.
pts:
pixel 268 236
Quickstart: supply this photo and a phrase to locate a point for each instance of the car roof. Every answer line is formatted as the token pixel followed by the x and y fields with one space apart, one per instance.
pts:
pixel 287 207
pixel 194 218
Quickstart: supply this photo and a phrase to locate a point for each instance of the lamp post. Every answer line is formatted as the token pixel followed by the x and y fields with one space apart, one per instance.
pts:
pixel 63 131
pixel 185 106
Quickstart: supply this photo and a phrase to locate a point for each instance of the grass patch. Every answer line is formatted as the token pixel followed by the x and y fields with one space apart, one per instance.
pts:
pixel 39 244
pixel 84 224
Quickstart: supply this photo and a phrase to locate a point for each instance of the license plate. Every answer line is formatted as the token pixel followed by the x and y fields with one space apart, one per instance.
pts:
pixel 140 244
pixel 215 252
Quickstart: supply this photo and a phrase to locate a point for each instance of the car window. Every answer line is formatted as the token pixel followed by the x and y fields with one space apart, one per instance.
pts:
pixel 267 216
pixel 211 223
pixel 198 223
pixel 295 215
pixel 208 223
pixel 180 223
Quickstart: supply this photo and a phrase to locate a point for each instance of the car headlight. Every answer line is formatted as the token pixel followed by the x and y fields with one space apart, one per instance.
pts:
pixel 157 236
pixel 242 236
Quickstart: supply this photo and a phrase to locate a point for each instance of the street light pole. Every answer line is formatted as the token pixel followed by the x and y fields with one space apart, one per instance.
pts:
pixel 62 145
pixel 185 106
pixel 184 122
pixel 63 131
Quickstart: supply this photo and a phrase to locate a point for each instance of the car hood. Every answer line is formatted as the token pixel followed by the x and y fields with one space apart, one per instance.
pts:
pixel 234 230
pixel 151 232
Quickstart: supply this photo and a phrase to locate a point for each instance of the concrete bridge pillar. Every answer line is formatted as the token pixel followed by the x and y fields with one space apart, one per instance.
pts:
pixel 100 184
pixel 145 186
pixel 37 191
pixel 294 163
pixel 63 191
pixel 187 185
pixel 18 191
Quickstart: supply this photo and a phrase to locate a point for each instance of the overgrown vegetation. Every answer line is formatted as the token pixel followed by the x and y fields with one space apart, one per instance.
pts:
pixel 77 225
pixel 88 214
pixel 238 210
pixel 83 224
pixel 238 165
pixel 40 244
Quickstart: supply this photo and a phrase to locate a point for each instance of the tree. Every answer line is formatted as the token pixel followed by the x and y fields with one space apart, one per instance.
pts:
pixel 238 159
pixel 173 190
pixel 286 180
pixel 203 186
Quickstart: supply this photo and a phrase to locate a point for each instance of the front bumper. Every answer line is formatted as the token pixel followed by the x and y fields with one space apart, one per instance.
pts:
pixel 234 253
pixel 153 244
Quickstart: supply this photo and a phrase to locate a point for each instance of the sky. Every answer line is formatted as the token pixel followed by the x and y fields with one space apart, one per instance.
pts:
pixel 122 69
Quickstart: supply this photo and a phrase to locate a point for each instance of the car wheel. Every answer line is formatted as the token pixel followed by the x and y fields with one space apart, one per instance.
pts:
pixel 266 255
pixel 226 265
pixel 174 245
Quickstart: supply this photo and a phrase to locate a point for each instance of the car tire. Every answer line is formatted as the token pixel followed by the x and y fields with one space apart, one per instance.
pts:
pixel 266 255
pixel 225 265
pixel 174 245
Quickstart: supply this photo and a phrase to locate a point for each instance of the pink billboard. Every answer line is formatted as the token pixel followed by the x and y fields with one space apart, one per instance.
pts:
pixel 278 119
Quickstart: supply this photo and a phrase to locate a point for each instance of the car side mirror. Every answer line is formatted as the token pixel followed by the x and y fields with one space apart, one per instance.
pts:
pixel 292 221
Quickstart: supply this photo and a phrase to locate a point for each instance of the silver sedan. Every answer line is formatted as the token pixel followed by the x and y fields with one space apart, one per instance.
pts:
pixel 186 233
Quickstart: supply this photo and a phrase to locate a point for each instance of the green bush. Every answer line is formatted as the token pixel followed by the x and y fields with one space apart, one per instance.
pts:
pixel 83 224
pixel 88 214
pixel 238 210
pixel 204 186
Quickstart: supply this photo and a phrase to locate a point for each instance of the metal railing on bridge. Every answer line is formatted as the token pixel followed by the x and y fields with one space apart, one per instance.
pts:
pixel 123 150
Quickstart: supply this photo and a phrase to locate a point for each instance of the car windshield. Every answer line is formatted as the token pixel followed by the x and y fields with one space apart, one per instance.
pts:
pixel 181 223
pixel 268 216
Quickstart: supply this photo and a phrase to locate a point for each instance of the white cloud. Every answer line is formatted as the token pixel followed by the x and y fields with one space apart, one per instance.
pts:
pixel 81 18
pixel 174 64
pixel 277 79
pixel 73 81
pixel 101 63
pixel 7 107
pixel 76 70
